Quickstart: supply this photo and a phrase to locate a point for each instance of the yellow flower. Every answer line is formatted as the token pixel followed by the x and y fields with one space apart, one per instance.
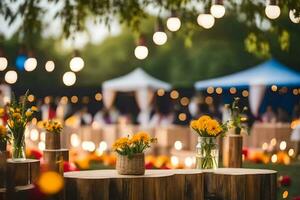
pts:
pixel 34 108
pixel 120 143
pixel 204 119
pixel 194 124
pixel 2 111
pixel 213 128
pixel 3 131
pixel 18 110
pixel 10 123
pixel 11 110
pixel 141 136
pixel 244 119
pixel 28 113
pixel 17 115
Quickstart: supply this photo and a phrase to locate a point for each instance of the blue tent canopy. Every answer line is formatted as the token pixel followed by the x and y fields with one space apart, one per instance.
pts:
pixel 268 73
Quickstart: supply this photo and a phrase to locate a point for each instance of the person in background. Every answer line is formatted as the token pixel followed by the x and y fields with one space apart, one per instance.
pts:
pixel 48 109
pixel 269 115
pixel 162 117
pixel 203 110
pixel 106 116
pixel 85 117
pixel 296 111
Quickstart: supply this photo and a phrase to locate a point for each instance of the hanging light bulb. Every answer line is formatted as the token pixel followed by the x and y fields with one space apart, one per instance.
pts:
pixel 11 77
pixel 217 10
pixel 49 66
pixel 141 51
pixel 272 10
pixel 293 18
pixel 206 20
pixel 160 37
pixel 3 63
pixel 76 63
pixel 173 22
pixel 30 64
pixel 69 78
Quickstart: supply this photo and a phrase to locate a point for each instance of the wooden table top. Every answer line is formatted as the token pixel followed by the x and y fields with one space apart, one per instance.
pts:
pixel 107 174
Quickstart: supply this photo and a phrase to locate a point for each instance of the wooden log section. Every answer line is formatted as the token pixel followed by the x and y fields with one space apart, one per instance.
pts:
pixel 54 159
pixel 223 184
pixel 52 141
pixel 22 173
pixel 232 151
pixel 3 157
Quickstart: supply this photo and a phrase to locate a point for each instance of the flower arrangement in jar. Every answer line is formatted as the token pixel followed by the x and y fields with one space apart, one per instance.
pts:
pixel 4 137
pixel 208 130
pixel 53 131
pixel 130 153
pixel 19 114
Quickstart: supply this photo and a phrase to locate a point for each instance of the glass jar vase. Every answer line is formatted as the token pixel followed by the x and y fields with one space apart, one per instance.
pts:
pixel 207 156
pixel 18 148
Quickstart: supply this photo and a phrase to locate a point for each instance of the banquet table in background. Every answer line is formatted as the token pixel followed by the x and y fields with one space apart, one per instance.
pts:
pixel 224 184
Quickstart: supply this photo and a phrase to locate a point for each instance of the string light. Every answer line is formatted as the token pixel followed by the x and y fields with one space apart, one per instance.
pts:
pixel 182 116
pixel 98 96
pixel 218 9
pixel 293 18
pixel 174 94
pixel 173 22
pixel 49 66
pixel 160 92
pixel 282 145
pixel 160 37
pixel 30 64
pixel 11 77
pixel 74 99
pixel 184 101
pixel 219 90
pixel 178 145
pixel 3 63
pixel 210 90
pixel 274 88
pixel 141 51
pixel 206 20
pixel 76 64
pixel 272 10
pixel 69 78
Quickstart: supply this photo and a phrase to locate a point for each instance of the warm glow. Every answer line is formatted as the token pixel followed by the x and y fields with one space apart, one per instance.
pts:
pixel 272 11
pixel 173 24
pixel 207 21
pixel 49 66
pixel 285 194
pixel 219 90
pixel 102 146
pixel 184 101
pixel 34 135
pixel 74 99
pixel 88 146
pixel 294 19
pixel 291 152
pixel 210 90
pixel 75 140
pixel 50 183
pixel 41 146
pixel 273 141
pixel 182 116
pixel 295 91
pixel 30 64
pixel 188 162
pixel 160 37
pixel 3 63
pixel 209 100
pixel 282 145
pixel 160 92
pixel 174 94
pixel 76 64
pixel 30 98
pixel 274 88
pixel 178 145
pixel 69 78
pixel 245 93
pixel 274 158
pixel 232 90
pixel 11 77
pixel 98 96
pixel 174 161
pixel 218 11
pixel 265 146
pixel 141 52
pixel 43 136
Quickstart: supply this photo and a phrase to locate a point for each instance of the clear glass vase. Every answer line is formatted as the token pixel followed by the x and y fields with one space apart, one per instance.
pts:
pixel 18 148
pixel 207 156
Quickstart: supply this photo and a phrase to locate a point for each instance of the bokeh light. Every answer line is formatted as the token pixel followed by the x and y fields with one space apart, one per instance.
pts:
pixel 50 183
pixel 11 77
pixel 69 78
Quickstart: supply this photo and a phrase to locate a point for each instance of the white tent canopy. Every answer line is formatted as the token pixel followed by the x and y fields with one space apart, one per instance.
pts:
pixel 137 81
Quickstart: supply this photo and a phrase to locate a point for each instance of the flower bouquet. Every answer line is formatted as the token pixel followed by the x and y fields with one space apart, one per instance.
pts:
pixel 130 153
pixel 208 129
pixel 19 115
pixel 53 129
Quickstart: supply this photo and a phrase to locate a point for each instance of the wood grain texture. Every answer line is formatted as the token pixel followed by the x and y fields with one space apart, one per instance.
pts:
pixel 225 184
pixel 54 159
pixel 232 151
pixel 22 173
pixel 52 141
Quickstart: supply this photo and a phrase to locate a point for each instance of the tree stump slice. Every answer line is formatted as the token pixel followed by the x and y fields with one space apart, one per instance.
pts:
pixel 22 173
pixel 52 140
pixel 54 159
pixel 3 168
pixel 233 151
pixel 241 184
